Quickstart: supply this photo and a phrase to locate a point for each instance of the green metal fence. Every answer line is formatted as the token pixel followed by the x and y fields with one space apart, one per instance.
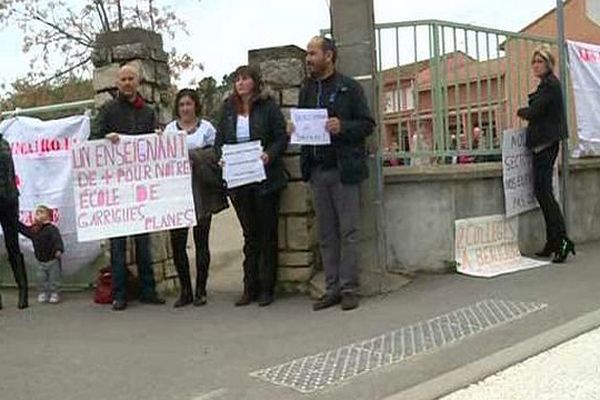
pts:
pixel 448 90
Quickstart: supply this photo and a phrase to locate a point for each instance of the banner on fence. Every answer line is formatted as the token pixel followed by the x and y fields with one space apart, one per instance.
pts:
pixel 140 184
pixel 42 156
pixel 489 246
pixel 584 65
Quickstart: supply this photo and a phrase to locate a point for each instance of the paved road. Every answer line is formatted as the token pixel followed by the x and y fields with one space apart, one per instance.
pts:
pixel 79 350
pixel 570 371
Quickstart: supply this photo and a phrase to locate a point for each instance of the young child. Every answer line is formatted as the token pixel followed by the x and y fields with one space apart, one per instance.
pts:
pixel 48 247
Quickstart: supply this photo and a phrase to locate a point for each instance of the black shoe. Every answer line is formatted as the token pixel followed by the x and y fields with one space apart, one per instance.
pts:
pixel 118 305
pixel 265 299
pixel 20 275
pixel 183 300
pixel 326 302
pixel 200 300
pixel 246 299
pixel 0 302
pixel 155 300
pixel 547 250
pixel 566 247
pixel 349 301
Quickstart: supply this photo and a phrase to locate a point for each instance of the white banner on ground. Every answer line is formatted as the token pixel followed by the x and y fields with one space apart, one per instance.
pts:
pixel 42 156
pixel 584 65
pixel 488 246
pixel 242 164
pixel 140 184
pixel 517 173
pixel 309 126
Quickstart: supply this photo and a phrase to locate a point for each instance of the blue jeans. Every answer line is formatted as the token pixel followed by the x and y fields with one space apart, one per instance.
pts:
pixel 118 249
pixel 49 276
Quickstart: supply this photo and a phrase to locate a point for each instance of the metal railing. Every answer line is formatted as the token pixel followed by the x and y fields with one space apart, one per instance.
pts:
pixel 448 90
pixel 69 108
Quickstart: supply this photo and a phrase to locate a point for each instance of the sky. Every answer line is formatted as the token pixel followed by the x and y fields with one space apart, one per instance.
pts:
pixel 222 31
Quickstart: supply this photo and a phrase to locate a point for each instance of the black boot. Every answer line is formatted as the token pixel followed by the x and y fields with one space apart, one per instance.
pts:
pixel 548 250
pixel 566 247
pixel 185 296
pixel 200 298
pixel 20 274
pixel 248 296
pixel 0 301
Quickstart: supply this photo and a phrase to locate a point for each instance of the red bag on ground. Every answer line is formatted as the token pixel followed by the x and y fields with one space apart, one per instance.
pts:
pixel 103 293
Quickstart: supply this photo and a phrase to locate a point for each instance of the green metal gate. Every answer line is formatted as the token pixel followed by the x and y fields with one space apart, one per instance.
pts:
pixel 448 90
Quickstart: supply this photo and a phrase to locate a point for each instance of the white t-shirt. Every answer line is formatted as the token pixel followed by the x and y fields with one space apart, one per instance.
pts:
pixel 203 136
pixel 242 131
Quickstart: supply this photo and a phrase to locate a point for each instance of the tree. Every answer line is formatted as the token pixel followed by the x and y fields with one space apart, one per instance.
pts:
pixel 212 95
pixel 26 95
pixel 68 28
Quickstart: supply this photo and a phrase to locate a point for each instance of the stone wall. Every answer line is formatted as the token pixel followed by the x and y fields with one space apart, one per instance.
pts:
pixel 144 50
pixel 283 72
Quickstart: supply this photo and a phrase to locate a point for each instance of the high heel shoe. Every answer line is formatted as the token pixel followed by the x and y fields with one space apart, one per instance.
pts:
pixel 566 247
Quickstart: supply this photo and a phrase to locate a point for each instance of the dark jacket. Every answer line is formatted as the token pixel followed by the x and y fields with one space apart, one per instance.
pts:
pixel 46 240
pixel 207 183
pixel 8 182
pixel 120 116
pixel 344 98
pixel 545 114
pixel 268 125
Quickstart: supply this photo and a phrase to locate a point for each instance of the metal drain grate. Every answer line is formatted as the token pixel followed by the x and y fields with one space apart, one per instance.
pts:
pixel 312 373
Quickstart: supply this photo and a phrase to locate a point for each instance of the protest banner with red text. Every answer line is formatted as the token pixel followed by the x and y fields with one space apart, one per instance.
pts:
pixel 489 246
pixel 41 153
pixel 140 184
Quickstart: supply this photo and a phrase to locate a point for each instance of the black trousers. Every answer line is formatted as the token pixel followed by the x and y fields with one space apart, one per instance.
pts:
pixel 543 164
pixel 258 216
pixel 9 218
pixel 179 238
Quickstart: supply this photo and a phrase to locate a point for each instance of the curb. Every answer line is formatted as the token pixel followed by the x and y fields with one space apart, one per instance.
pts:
pixel 476 371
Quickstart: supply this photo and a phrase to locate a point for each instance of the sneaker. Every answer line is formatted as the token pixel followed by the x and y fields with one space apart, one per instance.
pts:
pixel 43 298
pixel 326 302
pixel 118 305
pixel 349 301
pixel 54 298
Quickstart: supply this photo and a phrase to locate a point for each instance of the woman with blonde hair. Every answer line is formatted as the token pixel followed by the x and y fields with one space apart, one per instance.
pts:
pixel 547 126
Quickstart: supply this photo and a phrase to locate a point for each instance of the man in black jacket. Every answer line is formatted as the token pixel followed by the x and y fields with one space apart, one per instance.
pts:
pixel 128 115
pixel 336 170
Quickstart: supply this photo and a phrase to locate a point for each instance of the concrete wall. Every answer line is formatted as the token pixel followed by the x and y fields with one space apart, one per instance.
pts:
pixel 422 203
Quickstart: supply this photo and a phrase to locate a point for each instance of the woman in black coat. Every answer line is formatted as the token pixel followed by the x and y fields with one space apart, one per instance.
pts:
pixel 9 218
pixel 546 128
pixel 247 115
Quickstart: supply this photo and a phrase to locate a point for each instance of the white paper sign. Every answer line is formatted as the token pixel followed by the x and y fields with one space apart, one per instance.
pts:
pixel 242 164
pixel 42 156
pixel 140 184
pixel 584 65
pixel 489 246
pixel 310 126
pixel 517 173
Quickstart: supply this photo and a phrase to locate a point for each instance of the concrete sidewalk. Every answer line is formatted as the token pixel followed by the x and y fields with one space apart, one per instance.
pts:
pixel 79 350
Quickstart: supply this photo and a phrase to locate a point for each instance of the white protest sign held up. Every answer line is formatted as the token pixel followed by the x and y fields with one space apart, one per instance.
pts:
pixel 489 246
pixel 517 173
pixel 242 164
pixel 309 126
pixel 140 184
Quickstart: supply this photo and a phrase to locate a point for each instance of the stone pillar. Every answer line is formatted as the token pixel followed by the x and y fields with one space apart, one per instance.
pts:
pixel 283 72
pixel 354 32
pixel 143 49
